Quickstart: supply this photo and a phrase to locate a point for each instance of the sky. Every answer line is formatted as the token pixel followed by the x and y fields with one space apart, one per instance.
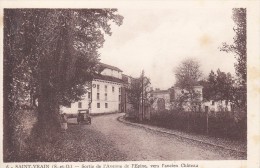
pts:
pixel 158 40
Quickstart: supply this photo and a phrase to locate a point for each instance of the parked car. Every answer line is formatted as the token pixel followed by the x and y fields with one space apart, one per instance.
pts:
pixel 83 117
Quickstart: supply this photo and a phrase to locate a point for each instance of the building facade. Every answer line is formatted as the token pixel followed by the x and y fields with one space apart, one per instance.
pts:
pixel 164 99
pixel 105 94
pixel 216 106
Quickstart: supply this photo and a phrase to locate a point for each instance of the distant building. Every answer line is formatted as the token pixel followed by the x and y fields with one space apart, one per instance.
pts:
pixel 105 95
pixel 215 106
pixel 164 99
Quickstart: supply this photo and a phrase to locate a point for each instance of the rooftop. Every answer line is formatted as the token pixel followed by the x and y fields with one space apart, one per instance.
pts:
pixel 104 66
pixel 108 78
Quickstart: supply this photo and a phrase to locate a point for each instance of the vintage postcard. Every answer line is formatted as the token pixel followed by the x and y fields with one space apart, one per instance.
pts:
pixel 130 84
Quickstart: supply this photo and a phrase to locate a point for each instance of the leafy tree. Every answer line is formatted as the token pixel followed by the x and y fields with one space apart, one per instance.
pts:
pixel 188 74
pixel 209 86
pixel 187 100
pixel 139 91
pixel 224 86
pixel 240 50
pixel 218 86
pixel 49 57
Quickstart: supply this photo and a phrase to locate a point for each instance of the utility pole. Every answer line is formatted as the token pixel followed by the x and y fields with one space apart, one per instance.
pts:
pixel 142 94
pixel 90 102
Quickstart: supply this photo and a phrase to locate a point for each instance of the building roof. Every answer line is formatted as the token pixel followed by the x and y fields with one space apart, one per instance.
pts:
pixel 108 78
pixel 104 66
pixel 126 76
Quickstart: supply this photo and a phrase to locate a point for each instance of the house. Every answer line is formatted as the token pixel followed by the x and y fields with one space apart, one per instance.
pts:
pixel 214 106
pixel 104 95
pixel 164 99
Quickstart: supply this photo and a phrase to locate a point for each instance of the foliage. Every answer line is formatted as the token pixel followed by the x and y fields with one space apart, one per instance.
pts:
pixel 187 75
pixel 187 100
pixel 49 57
pixel 138 91
pixel 240 50
pixel 218 86
pixel 220 124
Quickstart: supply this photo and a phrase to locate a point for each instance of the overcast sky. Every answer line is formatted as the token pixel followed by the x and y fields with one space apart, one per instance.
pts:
pixel 157 40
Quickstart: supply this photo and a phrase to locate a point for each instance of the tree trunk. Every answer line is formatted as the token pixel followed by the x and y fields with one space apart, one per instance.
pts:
pixel 48 116
pixel 48 124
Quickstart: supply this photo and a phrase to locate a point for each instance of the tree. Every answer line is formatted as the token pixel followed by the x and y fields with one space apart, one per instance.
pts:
pixel 209 87
pixel 139 93
pixel 187 75
pixel 240 50
pixel 224 84
pixel 50 55
pixel 218 87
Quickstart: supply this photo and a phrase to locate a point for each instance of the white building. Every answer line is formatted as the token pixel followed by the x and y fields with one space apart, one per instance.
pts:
pixel 104 95
pixel 161 99
pixel 164 99
pixel 217 106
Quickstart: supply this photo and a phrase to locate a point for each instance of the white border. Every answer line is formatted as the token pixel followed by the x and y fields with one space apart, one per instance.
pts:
pixel 253 32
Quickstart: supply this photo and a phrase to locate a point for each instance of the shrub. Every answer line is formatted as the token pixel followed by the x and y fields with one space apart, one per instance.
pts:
pixel 220 124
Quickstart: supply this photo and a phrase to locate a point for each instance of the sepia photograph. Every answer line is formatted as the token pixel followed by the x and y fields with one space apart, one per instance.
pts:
pixel 125 84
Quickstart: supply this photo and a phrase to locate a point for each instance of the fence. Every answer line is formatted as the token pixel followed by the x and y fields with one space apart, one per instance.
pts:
pixel 219 124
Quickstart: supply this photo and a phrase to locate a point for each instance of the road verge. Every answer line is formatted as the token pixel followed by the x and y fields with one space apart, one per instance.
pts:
pixel 220 143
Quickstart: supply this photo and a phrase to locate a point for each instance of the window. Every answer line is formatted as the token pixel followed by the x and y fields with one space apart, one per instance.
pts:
pixel 79 104
pixel 97 87
pixel 113 88
pixel 119 90
pixel 69 105
pixel 106 105
pixel 213 103
pixel 105 96
pixel 97 96
pixel 226 102
pixel 98 105
pixel 89 95
pixel 119 97
pixel 105 88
